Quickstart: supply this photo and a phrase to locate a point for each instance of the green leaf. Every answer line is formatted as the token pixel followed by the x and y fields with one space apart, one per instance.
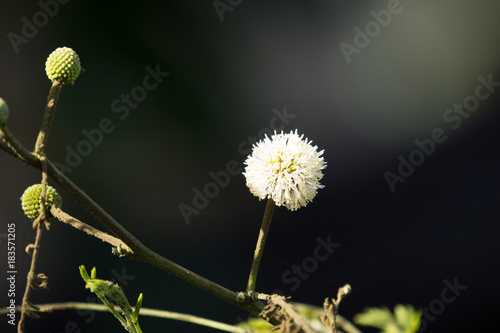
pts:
pixel 376 317
pixel 404 320
pixel 407 318
pixel 107 291
pixel 392 328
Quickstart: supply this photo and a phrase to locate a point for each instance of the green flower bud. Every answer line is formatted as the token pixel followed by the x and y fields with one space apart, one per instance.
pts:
pixel 63 65
pixel 4 112
pixel 32 198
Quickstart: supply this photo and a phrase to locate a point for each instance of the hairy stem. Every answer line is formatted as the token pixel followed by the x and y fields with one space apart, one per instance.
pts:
pixel 259 249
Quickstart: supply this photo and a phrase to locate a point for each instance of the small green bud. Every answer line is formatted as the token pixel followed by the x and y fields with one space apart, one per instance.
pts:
pixel 63 65
pixel 32 198
pixel 4 112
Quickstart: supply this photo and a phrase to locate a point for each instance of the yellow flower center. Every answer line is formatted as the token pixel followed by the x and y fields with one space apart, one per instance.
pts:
pixel 282 167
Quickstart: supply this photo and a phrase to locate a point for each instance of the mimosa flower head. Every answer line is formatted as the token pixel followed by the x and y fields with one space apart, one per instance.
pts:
pixel 32 199
pixel 286 169
pixel 63 65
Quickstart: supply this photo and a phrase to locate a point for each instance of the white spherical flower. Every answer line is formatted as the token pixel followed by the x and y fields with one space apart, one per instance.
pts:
pixel 286 169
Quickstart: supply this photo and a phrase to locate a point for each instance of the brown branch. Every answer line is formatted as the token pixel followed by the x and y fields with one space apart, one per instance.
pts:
pixel 68 219
pixel 6 148
pixel 27 308
pixel 17 148
pixel 50 110
pixel 39 223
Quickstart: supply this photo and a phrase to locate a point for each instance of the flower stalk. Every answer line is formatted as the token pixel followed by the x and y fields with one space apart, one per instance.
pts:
pixel 50 110
pixel 259 249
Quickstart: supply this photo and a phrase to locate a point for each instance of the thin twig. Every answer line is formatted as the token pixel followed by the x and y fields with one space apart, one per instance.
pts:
pixel 68 219
pixel 39 223
pixel 144 312
pixel 50 110
pixel 16 147
pixel 259 248
pixel 331 307
pixel 6 148
pixel 26 307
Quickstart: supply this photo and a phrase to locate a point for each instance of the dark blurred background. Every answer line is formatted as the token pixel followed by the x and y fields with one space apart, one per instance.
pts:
pixel 228 71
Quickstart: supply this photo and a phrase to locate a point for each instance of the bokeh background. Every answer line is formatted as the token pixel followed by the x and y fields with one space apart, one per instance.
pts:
pixel 227 72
